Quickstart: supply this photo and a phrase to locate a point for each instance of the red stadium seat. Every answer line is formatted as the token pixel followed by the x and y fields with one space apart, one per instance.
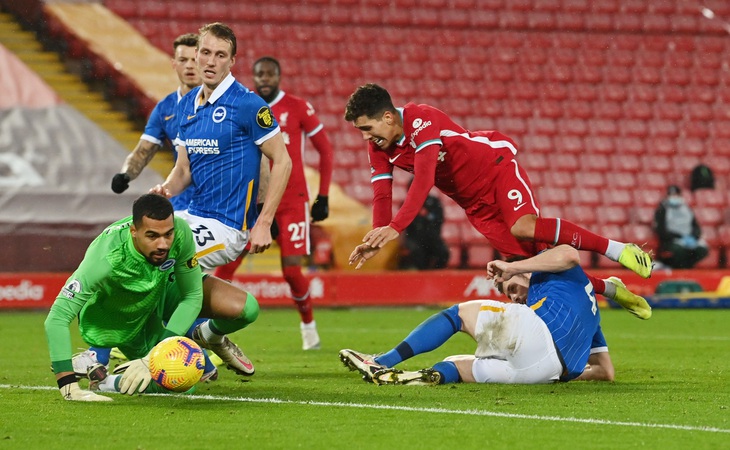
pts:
pixel 649 197
pixel 553 196
pixel 711 261
pixel 642 214
pixel 641 235
pixel 618 197
pixel 614 215
pixel 580 214
pixel 708 216
pixel 585 179
pixel 582 195
pixel 710 198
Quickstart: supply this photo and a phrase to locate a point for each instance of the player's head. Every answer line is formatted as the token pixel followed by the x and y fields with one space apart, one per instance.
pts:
pixel 515 288
pixel 371 110
pixel 153 227
pixel 266 77
pixel 216 53
pixel 183 59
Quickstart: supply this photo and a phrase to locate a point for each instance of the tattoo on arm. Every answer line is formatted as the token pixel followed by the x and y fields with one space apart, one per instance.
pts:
pixel 139 158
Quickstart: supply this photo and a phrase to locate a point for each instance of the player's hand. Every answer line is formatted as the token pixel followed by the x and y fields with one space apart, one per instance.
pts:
pixel 161 190
pixel 499 271
pixel 378 237
pixel 120 183
pixel 136 376
pixel 260 238
pixel 73 392
pixel 362 253
pixel 320 208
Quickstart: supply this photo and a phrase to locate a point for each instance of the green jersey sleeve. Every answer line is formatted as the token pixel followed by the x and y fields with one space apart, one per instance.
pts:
pixel 189 279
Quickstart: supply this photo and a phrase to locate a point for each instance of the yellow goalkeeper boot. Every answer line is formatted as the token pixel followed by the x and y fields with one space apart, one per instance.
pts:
pixel 631 302
pixel 634 258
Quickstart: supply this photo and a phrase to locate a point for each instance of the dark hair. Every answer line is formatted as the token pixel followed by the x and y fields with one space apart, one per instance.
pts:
pixel 673 190
pixel 154 206
pixel 221 31
pixel 187 39
pixel 270 59
pixel 369 100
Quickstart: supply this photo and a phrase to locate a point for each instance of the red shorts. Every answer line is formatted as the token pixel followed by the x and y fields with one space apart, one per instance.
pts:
pixel 292 218
pixel 510 197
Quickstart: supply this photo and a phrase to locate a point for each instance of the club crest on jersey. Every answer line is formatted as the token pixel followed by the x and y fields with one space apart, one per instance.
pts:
pixel 264 117
pixel 167 265
pixel 219 114
pixel 71 289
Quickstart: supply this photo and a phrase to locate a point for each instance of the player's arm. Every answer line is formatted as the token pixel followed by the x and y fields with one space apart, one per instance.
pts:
pixel 320 207
pixel 423 180
pixel 557 259
pixel 179 178
pixel 189 279
pixel 274 149
pixel 133 164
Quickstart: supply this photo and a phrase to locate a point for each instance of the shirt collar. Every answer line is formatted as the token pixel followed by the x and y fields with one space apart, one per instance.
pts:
pixel 278 98
pixel 222 87
pixel 402 138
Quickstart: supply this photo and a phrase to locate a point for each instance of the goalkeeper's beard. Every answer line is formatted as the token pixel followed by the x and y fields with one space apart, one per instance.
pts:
pixel 158 257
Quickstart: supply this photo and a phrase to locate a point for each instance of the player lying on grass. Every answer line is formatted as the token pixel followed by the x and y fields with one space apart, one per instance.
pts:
pixel 139 272
pixel 550 333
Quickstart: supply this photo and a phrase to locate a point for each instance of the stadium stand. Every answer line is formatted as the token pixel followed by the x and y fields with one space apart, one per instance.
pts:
pixel 608 101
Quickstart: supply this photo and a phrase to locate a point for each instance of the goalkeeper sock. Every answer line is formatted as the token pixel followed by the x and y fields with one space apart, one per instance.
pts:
pixel 449 372
pixel 110 384
pixel 428 336
pixel 221 327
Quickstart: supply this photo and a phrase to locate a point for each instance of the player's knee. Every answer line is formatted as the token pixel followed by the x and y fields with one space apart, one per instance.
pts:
pixel 452 314
pixel 251 309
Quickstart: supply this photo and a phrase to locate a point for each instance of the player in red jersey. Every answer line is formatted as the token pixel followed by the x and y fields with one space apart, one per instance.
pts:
pixel 297 120
pixel 478 170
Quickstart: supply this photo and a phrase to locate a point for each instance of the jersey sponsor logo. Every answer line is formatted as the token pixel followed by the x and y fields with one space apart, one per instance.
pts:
pixel 192 262
pixel 202 146
pixel 421 126
pixel 167 265
pixel 71 289
pixel 169 117
pixel 219 114
pixel 264 117
pixel 392 160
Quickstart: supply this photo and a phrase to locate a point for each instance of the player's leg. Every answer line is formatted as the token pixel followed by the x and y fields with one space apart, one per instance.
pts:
pixel 226 271
pixel 294 242
pixel 520 208
pixel 216 244
pixel 230 309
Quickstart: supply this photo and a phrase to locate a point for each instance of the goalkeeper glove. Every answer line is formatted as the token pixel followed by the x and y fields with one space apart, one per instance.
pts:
pixel 120 183
pixel 73 392
pixel 320 208
pixel 136 376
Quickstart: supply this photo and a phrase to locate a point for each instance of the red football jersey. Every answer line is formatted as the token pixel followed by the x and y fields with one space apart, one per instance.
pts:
pixel 297 120
pixel 439 153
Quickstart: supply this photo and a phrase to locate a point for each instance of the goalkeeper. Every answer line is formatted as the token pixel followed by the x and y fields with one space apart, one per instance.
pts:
pixel 139 272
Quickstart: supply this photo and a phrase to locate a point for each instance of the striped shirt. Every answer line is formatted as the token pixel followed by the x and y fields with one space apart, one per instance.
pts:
pixel 222 138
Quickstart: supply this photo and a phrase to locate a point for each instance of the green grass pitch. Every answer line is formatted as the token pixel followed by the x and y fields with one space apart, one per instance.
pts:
pixel 672 391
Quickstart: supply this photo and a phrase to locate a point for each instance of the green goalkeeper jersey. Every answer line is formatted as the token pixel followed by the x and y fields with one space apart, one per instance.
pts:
pixel 119 296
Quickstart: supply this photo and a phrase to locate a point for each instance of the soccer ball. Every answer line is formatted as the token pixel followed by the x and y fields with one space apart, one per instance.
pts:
pixel 177 363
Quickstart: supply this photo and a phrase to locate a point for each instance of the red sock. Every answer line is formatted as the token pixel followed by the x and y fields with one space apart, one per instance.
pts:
pixel 546 230
pixel 300 291
pixel 225 272
pixel 599 286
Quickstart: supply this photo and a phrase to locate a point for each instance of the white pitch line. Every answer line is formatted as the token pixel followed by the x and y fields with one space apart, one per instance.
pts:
pixel 464 412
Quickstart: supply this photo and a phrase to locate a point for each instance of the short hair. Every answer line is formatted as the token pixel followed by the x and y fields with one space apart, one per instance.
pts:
pixel 221 31
pixel 269 59
pixel 154 206
pixel 187 39
pixel 369 100
pixel 673 190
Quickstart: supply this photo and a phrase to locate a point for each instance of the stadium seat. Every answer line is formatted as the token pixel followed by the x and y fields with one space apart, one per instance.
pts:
pixel 553 196
pixel 649 197
pixel 596 144
pixel 711 261
pixel 579 214
pixel 642 214
pixel 710 198
pixel 708 216
pixel 617 197
pixel 640 234
pixel 479 255
pixel 594 179
pixel 558 178
pixel 582 195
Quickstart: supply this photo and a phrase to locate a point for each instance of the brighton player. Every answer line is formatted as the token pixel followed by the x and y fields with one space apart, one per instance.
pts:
pixel 478 170
pixel 161 128
pixel 139 273
pixel 550 333
pixel 223 130
pixel 297 120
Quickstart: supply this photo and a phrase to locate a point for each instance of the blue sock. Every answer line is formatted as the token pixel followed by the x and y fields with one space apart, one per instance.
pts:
pixel 102 354
pixel 449 372
pixel 192 327
pixel 429 335
pixel 209 366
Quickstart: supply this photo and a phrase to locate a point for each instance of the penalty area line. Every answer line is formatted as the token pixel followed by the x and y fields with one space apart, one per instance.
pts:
pixel 463 412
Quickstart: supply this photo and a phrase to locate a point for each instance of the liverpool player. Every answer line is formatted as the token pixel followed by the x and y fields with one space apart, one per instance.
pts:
pixel 478 170
pixel 297 120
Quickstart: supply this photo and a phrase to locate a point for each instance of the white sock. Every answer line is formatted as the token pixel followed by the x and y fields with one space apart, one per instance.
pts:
pixel 614 249
pixel 610 291
pixel 308 326
pixel 108 384
pixel 208 334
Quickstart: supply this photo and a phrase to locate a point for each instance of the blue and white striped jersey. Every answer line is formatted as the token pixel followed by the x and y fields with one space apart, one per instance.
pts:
pixel 161 127
pixel 565 301
pixel 222 139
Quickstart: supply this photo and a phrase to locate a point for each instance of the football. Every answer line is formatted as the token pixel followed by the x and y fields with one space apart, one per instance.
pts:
pixel 177 363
